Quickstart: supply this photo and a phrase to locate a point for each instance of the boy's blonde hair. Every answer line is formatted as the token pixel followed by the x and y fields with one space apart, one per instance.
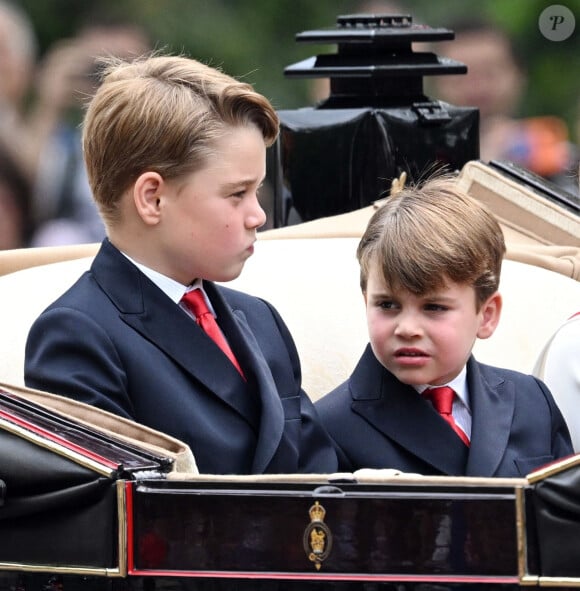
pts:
pixel 426 234
pixel 162 114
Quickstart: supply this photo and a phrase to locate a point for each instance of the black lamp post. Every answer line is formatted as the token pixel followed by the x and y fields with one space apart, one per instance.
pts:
pixel 343 153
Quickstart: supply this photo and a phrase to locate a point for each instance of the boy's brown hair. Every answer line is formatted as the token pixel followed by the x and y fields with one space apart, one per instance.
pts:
pixel 163 114
pixel 426 234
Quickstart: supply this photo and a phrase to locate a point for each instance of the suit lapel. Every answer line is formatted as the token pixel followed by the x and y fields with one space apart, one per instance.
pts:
pixel 397 411
pixel 272 421
pixel 492 401
pixel 262 387
pixel 146 309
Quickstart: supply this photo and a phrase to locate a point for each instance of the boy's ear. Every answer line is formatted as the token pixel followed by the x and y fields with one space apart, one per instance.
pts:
pixel 147 196
pixel 490 314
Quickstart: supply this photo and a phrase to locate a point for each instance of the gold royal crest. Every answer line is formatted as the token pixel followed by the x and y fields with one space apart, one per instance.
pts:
pixel 317 539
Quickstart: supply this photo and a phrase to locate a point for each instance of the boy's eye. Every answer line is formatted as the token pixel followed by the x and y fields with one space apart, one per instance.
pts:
pixel 386 304
pixel 435 308
pixel 243 192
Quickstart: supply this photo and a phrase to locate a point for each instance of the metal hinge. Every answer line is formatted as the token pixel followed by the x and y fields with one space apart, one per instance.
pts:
pixel 433 112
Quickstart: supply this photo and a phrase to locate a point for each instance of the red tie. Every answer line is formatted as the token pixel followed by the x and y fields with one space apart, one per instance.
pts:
pixel 195 301
pixel 442 400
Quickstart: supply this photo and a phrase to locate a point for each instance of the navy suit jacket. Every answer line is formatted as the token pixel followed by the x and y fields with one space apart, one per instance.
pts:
pixel 116 341
pixel 379 422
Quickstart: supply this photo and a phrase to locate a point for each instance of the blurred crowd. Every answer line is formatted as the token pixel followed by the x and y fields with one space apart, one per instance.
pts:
pixel 44 194
pixel 495 83
pixel 45 198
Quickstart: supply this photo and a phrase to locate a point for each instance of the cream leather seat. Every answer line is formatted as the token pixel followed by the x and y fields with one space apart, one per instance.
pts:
pixel 314 284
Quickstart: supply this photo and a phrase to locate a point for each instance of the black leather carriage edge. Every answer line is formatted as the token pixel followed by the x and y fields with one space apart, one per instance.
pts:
pixel 556 500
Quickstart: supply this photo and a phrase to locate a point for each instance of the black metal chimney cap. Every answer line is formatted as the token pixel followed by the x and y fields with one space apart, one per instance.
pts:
pixel 376 28
pixel 375 64
pixel 375 45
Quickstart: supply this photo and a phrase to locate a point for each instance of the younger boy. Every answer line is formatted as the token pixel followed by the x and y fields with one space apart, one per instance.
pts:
pixel 430 264
pixel 175 154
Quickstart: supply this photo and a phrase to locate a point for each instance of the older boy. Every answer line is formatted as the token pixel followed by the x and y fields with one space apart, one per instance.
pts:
pixel 175 154
pixel 430 263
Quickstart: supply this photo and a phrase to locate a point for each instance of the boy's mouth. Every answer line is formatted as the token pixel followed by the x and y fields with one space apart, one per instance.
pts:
pixel 410 352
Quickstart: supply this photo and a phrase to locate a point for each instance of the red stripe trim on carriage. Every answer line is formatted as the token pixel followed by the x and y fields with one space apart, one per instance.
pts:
pixel 60 440
pixel 130 529
pixel 327 577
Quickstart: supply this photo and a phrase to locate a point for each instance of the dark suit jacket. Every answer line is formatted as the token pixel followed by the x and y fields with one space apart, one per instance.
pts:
pixel 116 341
pixel 378 422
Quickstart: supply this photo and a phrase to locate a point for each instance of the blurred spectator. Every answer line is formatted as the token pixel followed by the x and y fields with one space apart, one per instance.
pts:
pixel 67 78
pixel 15 211
pixel 18 48
pixel 495 83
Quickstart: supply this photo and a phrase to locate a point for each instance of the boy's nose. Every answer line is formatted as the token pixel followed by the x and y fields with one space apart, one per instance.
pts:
pixel 407 325
pixel 257 216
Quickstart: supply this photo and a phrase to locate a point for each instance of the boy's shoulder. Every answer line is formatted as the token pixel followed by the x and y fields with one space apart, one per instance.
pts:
pixel 339 399
pixel 495 375
pixel 242 300
pixel 258 311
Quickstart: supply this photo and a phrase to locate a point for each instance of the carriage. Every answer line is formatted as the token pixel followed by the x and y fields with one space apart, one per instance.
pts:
pixel 93 501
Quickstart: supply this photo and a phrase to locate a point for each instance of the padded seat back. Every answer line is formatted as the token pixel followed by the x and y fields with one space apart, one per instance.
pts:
pixel 314 283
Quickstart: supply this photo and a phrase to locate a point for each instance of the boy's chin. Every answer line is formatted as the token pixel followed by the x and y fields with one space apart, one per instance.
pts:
pixel 225 277
pixel 411 379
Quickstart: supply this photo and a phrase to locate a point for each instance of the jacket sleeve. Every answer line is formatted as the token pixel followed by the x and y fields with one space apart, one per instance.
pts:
pixel 69 354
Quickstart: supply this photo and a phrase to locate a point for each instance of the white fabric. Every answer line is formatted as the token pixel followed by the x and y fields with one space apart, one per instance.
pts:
pixel 558 365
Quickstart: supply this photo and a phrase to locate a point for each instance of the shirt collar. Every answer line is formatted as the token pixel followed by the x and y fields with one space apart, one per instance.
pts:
pixel 459 384
pixel 173 289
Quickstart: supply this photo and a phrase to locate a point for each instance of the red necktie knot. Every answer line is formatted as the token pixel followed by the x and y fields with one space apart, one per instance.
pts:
pixel 442 400
pixel 195 301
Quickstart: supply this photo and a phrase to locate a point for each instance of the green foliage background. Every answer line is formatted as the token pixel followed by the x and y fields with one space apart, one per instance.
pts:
pixel 256 38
